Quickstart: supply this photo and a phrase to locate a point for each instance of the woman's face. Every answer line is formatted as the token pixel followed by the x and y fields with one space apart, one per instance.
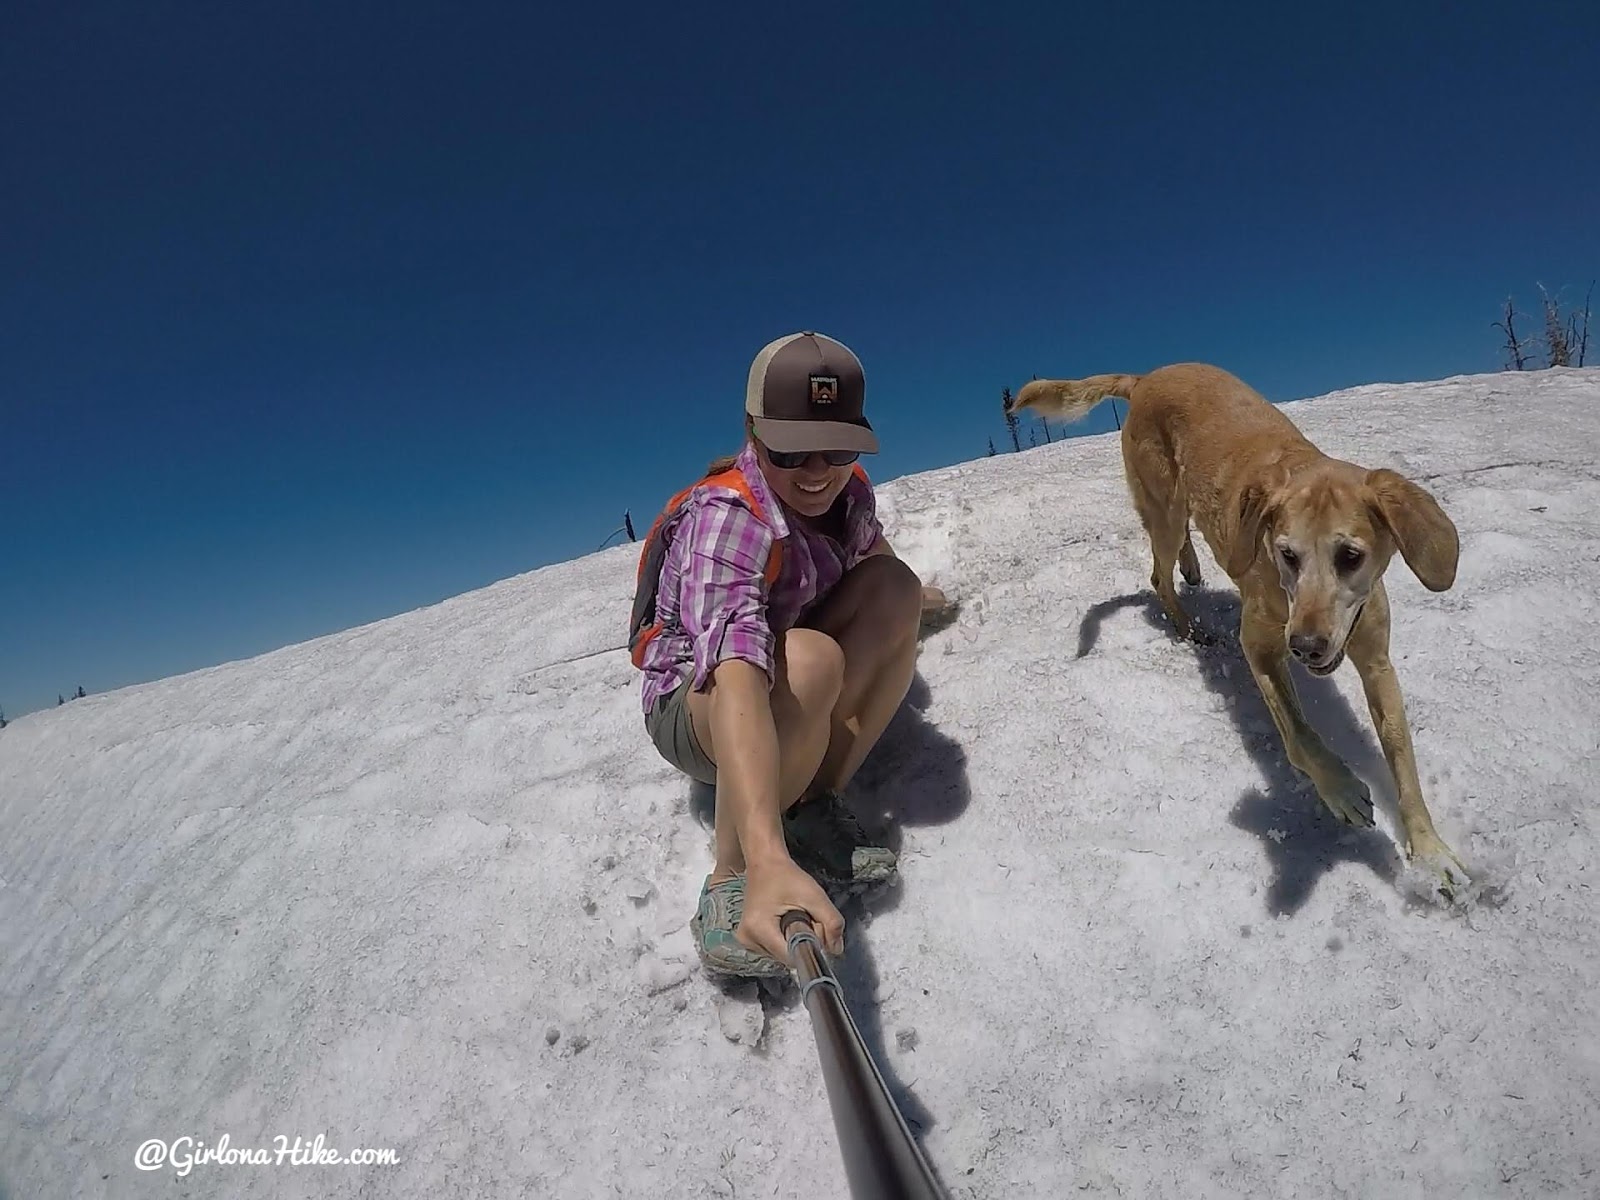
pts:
pixel 810 488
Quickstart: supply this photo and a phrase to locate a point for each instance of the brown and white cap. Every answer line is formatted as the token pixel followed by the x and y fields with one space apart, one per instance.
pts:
pixel 806 392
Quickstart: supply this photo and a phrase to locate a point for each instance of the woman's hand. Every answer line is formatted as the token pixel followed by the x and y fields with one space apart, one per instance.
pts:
pixel 774 886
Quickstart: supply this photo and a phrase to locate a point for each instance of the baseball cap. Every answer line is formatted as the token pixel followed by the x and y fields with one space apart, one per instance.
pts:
pixel 806 392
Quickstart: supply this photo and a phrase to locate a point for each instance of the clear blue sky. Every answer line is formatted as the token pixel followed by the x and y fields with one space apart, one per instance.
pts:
pixel 315 313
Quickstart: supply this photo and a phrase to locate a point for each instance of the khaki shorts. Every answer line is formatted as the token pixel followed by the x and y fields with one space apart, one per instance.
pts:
pixel 672 731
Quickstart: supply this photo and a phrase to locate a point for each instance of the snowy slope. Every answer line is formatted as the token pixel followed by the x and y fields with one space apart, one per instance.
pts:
pixel 424 885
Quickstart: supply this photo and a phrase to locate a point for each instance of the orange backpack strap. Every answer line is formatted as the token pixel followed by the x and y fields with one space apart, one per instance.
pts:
pixel 643 625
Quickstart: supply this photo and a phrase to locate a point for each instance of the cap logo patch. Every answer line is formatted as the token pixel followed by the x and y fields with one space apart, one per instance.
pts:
pixel 824 389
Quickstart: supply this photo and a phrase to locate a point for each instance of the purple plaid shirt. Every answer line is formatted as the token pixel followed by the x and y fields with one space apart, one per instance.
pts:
pixel 713 603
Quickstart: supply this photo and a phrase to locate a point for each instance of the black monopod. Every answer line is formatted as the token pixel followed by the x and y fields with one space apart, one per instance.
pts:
pixel 881 1160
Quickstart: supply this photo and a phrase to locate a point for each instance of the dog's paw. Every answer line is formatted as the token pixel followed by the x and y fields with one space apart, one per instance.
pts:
pixel 1444 871
pixel 1348 799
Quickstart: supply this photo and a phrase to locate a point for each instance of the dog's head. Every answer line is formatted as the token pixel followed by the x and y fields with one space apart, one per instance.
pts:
pixel 1330 532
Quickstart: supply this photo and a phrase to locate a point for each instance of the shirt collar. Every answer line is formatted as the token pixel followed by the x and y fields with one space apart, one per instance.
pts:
pixel 750 465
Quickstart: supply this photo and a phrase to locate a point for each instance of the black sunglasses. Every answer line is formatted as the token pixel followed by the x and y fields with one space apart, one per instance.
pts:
pixel 788 460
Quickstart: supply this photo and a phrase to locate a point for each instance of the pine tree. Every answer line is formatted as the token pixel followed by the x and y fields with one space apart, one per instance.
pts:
pixel 991 447
pixel 60 700
pixel 1011 417
pixel 2 718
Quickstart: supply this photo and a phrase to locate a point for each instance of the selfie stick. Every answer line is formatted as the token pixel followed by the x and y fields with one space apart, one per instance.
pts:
pixel 881 1160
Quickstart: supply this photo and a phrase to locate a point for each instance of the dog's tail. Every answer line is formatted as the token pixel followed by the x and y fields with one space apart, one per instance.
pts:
pixel 1071 399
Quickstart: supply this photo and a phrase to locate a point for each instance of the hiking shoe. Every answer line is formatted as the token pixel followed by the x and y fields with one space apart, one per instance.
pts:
pixel 825 838
pixel 720 911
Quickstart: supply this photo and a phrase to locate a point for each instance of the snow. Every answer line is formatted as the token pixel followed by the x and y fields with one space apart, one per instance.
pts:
pixel 424 885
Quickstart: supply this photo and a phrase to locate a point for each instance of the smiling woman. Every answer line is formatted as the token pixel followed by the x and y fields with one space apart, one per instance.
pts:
pixel 777 630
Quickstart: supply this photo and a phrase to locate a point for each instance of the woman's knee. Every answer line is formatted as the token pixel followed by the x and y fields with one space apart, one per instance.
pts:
pixel 893 592
pixel 814 666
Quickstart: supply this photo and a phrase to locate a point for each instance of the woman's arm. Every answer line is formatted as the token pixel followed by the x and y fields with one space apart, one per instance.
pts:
pixel 748 765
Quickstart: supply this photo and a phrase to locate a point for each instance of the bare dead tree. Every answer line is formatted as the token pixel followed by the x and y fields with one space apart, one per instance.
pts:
pixel 1557 349
pixel 1579 331
pixel 1518 357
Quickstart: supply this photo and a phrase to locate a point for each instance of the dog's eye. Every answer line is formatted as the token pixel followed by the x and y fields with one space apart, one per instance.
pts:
pixel 1348 558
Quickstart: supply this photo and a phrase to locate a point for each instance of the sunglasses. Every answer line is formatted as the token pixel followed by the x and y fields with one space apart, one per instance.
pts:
pixel 788 460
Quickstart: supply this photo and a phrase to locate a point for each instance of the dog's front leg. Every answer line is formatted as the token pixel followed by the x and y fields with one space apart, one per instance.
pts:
pixel 1369 651
pixel 1262 639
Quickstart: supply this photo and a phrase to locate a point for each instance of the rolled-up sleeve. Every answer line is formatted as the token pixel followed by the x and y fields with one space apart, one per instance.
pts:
pixel 866 528
pixel 723 597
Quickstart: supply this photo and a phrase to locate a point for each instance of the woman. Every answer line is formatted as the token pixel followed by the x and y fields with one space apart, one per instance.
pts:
pixel 772 676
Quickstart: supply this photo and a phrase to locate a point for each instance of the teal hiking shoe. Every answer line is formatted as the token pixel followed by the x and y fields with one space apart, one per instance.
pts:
pixel 825 839
pixel 712 927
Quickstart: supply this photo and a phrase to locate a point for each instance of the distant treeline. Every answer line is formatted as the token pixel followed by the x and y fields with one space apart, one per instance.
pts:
pixel 60 700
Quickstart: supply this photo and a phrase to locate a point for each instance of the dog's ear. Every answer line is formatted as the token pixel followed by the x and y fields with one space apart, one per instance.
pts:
pixel 1258 507
pixel 1424 535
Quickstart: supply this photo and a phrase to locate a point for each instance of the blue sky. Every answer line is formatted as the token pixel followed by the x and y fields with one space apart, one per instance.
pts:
pixel 312 314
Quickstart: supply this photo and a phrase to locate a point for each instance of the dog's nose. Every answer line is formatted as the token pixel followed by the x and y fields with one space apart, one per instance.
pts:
pixel 1309 647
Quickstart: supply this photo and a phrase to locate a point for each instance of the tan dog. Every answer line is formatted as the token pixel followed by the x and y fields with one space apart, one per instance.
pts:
pixel 1305 537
